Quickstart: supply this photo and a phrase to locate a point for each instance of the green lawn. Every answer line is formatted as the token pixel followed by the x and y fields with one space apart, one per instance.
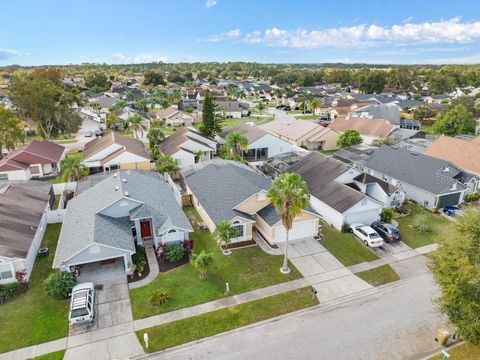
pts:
pixel 348 250
pixel 427 129
pixel 461 352
pixel 245 270
pixel 437 227
pixel 34 317
pixel 258 120
pixel 379 276
pixel 58 355
pixel 308 117
pixel 205 325
pixel 57 202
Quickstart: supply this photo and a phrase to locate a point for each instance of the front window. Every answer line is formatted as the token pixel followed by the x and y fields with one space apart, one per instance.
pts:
pixel 239 229
pixel 5 272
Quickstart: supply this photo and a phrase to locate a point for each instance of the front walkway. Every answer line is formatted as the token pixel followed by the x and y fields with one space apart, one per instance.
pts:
pixel 154 270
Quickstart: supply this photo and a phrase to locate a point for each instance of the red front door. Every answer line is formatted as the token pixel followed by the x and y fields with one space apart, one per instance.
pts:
pixel 146 229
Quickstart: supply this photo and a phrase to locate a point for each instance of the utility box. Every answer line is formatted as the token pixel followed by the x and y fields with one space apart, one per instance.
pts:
pixel 443 336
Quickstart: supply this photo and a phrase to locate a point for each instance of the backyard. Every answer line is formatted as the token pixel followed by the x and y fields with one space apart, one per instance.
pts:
pixel 34 317
pixel 345 247
pixel 215 322
pixel 246 269
pixel 437 227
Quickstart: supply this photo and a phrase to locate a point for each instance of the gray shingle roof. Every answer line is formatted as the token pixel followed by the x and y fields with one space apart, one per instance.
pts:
pixel 83 225
pixel 320 172
pixel 421 171
pixel 220 185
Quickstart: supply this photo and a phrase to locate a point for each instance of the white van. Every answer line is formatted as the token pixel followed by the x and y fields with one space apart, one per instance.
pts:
pixel 82 304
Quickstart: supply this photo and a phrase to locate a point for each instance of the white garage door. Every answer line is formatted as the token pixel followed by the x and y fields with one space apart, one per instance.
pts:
pixel 364 217
pixel 298 231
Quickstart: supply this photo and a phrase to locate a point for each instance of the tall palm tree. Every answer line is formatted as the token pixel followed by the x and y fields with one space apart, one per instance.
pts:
pixel 135 125
pixel 112 121
pixel 314 105
pixel 223 234
pixel 73 168
pixel 155 135
pixel 289 195
pixel 236 142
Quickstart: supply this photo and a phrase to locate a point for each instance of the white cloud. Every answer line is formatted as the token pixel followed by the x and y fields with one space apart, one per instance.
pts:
pixel 210 3
pixel 229 35
pixel 359 36
pixel 473 59
pixel 9 53
pixel 137 58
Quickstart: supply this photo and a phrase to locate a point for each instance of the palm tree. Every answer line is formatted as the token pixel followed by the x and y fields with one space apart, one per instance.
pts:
pixel 143 104
pixel 112 121
pixel 289 195
pixel 135 125
pixel 314 105
pixel 260 106
pixel 236 142
pixel 223 234
pixel 73 168
pixel 155 135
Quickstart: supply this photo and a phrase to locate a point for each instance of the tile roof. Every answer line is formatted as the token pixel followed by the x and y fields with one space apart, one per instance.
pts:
pixel 37 152
pixel 462 153
pixel 366 127
pixel 130 144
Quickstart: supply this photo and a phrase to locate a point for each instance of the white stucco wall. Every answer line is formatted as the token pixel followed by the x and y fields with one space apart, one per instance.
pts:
pixel 274 144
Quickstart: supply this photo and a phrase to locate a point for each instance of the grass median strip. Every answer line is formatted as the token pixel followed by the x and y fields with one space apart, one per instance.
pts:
pixel 379 276
pixel 215 322
pixel 57 355
pixel 461 352
pixel 348 250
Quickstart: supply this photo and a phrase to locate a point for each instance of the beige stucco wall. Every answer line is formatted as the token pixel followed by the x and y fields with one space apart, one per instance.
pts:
pixel 263 228
pixel 145 165
pixel 252 205
pixel 203 214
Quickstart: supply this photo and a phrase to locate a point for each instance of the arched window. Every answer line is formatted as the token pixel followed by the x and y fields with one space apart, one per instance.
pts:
pixel 172 231
pixel 239 227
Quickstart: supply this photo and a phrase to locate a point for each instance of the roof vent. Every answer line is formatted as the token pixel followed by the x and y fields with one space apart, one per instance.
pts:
pixel 126 193
pixel 115 175
pixel 446 169
pixel 414 153
pixel 116 188
pixel 124 180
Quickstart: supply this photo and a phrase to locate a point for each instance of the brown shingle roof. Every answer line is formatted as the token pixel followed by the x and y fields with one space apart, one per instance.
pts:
pixel 37 152
pixel 462 153
pixel 251 133
pixel 128 143
pixel 367 127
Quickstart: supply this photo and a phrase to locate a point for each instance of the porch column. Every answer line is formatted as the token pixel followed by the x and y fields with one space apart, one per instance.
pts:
pixel 127 262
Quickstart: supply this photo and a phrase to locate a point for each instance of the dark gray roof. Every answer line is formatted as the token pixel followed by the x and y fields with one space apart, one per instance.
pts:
pixel 409 103
pixel 320 172
pixel 419 170
pixel 271 217
pixel 83 224
pixel 21 210
pixel 220 185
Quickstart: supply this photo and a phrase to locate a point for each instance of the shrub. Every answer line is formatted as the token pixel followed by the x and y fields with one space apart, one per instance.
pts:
pixel 174 253
pixel 59 284
pixel 345 228
pixel 387 215
pixel 159 296
pixel 188 246
pixel 201 262
pixel 9 290
pixel 472 197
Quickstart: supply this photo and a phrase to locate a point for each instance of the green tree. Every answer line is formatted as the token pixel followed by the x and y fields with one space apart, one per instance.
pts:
pixel 166 164
pixel 314 105
pixel 223 234
pixel 155 135
pixel 201 262
pixel 424 112
pixel 260 106
pixel 153 77
pixel 73 168
pixel 350 137
pixel 38 96
pixel 372 82
pixel 235 143
pixel 98 82
pixel 211 121
pixel 456 268
pixel 135 125
pixel 441 84
pixel 10 131
pixel 289 195
pixel 60 284
pixel 456 121
pixel 112 121
pixel 143 103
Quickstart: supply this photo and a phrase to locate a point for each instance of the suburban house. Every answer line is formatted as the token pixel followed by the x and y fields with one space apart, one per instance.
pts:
pixel 431 182
pixel 173 117
pixel 232 191
pixel 115 151
pixel 37 160
pixel 111 213
pixel 230 109
pixel 369 129
pixel 462 153
pixel 389 112
pixel 105 103
pixel 304 133
pixel 23 205
pixel 261 144
pixel 187 146
pixel 334 194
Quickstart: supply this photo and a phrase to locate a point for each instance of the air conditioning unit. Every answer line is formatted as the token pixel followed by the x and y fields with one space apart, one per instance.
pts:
pixel 202 226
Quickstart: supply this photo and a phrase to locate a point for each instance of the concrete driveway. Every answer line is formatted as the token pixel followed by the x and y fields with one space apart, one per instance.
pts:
pixel 110 335
pixel 323 271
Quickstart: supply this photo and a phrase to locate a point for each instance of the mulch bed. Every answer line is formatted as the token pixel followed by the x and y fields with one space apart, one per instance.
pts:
pixel 164 265
pixel 134 277
pixel 240 244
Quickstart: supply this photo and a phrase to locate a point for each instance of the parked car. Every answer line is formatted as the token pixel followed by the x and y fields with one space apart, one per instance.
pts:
pixel 368 236
pixel 82 304
pixel 387 231
pixel 324 123
pixel 452 211
pixel 88 133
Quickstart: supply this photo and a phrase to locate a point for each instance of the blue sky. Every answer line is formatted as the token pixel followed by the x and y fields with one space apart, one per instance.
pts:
pixel 127 31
